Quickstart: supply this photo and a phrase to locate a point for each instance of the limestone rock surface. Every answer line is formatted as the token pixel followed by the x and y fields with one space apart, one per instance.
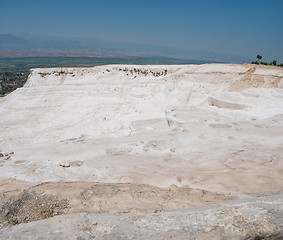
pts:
pixel 258 218
pixel 213 126
pixel 128 150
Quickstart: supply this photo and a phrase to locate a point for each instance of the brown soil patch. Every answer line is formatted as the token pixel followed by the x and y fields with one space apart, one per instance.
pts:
pixel 30 203
pixel 76 163
pixel 31 206
pixel 251 70
pixel 248 81
pixel 275 83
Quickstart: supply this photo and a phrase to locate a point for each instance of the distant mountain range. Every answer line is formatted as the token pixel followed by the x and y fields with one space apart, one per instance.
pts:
pixel 36 45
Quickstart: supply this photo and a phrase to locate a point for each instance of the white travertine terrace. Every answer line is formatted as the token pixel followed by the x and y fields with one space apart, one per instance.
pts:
pixel 217 127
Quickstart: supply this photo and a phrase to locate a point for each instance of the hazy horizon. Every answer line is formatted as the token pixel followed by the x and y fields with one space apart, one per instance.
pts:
pixel 242 28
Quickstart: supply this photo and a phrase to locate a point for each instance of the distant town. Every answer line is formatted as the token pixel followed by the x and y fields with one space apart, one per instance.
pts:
pixel 9 81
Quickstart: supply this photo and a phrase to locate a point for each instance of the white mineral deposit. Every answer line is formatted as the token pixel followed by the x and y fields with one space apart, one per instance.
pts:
pixel 129 139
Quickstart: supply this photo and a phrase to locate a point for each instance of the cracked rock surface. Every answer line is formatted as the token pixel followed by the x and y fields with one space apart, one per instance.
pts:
pixel 257 218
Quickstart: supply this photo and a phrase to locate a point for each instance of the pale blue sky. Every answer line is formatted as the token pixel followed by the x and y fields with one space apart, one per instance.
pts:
pixel 239 27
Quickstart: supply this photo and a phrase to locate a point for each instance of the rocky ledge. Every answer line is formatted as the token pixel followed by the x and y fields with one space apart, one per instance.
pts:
pixel 257 218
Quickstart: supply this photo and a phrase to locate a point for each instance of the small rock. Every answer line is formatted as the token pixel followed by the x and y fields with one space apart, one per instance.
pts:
pixel 7 157
pixel 173 187
pixel 76 163
pixel 117 151
pixel 1 154
pixel 64 164
pixel 20 162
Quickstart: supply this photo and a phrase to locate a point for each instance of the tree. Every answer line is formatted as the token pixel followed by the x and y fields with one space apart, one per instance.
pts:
pixel 274 62
pixel 259 57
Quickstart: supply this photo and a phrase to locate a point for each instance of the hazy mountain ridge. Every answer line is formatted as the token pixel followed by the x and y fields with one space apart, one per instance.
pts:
pixel 89 47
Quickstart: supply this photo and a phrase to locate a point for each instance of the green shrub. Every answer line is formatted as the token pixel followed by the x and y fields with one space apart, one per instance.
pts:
pixel 264 63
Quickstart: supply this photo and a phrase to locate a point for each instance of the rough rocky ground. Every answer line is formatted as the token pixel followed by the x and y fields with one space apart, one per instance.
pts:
pixel 258 218
pixel 56 198
pixel 118 143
